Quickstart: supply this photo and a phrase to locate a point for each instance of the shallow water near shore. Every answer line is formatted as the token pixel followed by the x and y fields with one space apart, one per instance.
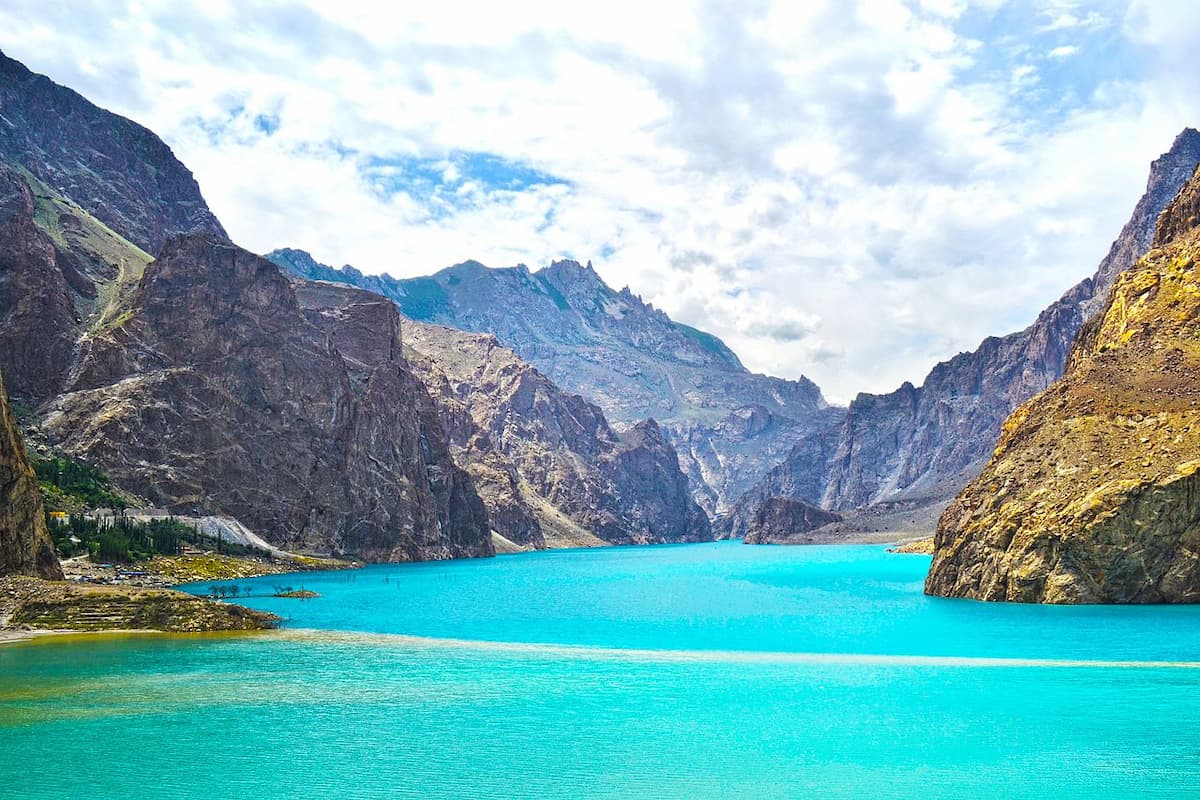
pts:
pixel 699 671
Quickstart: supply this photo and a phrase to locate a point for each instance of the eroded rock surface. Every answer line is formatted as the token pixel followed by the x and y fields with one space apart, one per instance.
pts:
pixel 728 425
pixel 550 468
pixel 217 393
pixel 121 172
pixel 1093 493
pixel 780 520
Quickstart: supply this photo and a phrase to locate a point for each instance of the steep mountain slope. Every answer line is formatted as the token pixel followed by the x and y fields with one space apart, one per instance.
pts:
pixel 923 444
pixel 62 274
pixel 25 546
pixel 198 382
pixel 728 425
pixel 549 467
pixel 1093 492
pixel 214 392
pixel 121 172
pixel 84 194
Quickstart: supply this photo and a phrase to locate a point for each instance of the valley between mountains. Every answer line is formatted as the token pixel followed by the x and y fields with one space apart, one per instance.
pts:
pixel 479 409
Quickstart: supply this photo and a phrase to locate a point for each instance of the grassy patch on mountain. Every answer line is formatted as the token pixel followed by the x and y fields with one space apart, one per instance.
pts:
pixel 113 264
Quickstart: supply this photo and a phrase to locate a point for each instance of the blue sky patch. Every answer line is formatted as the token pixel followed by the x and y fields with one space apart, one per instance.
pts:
pixel 1063 55
pixel 452 183
pixel 267 123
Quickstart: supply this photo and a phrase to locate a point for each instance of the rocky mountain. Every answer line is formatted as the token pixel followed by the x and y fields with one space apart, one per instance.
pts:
pixel 121 172
pixel 920 445
pixel 779 520
pixel 196 380
pixel 215 392
pixel 85 197
pixel 550 469
pixel 728 425
pixel 25 546
pixel 1093 492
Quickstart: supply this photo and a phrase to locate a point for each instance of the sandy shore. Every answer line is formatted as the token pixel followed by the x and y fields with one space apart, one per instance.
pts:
pixel 14 635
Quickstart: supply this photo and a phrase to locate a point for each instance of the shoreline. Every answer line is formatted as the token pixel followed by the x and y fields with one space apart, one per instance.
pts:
pixel 10 637
pixel 18 634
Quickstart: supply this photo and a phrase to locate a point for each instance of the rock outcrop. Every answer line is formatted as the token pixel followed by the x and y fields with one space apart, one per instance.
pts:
pixel 729 426
pixel 1093 492
pixel 779 521
pixel 215 392
pixel 25 546
pixel 922 444
pixel 122 173
pixel 549 467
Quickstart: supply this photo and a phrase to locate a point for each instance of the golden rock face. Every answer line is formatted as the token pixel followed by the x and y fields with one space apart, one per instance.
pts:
pixel 1093 492
pixel 25 546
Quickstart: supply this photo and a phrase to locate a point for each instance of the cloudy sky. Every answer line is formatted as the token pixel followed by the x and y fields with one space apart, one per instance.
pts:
pixel 851 191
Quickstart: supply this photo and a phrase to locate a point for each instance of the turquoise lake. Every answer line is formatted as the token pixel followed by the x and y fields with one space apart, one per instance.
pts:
pixel 695 671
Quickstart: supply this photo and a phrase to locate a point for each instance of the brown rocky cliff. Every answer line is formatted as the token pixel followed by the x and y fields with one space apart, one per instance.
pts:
pixel 1093 492
pixel 217 393
pixel 25 546
pixel 37 314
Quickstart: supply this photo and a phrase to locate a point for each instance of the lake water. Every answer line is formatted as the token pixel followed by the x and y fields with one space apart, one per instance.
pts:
pixel 697 671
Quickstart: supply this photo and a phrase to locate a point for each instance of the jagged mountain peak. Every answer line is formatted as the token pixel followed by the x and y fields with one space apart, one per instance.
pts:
pixel 629 358
pixel 1182 216
pixel 568 269
pixel 1188 138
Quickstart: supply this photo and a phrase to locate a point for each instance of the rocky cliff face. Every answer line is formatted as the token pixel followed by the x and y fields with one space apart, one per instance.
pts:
pixel 550 469
pixel 62 275
pixel 37 314
pixel 215 392
pixel 1093 492
pixel 84 194
pixel 925 443
pixel 778 520
pixel 122 173
pixel 25 546
pixel 729 426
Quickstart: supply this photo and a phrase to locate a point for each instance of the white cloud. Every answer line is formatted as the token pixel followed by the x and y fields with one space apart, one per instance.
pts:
pixel 1063 51
pixel 849 193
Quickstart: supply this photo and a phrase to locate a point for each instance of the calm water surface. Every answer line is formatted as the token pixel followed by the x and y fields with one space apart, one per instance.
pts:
pixel 698 671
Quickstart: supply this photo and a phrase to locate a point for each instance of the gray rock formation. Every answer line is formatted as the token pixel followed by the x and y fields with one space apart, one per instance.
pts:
pixel 923 444
pixel 25 546
pixel 37 308
pixel 778 520
pixel 728 425
pixel 216 393
pixel 550 469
